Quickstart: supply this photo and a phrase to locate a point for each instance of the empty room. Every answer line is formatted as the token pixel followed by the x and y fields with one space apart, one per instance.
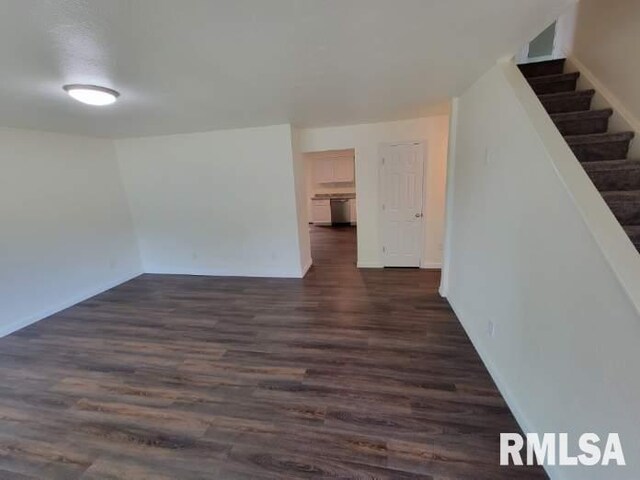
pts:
pixel 319 239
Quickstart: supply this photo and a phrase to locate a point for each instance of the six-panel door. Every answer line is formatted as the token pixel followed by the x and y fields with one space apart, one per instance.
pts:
pixel 402 188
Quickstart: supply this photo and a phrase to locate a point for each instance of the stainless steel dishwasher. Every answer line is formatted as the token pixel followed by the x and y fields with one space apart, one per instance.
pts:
pixel 340 211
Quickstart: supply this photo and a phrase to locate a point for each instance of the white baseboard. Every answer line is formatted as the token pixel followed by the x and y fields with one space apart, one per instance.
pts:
pixel 70 302
pixel 369 265
pixel 431 265
pixel 307 267
pixel 629 120
pixel 616 104
pixel 490 366
pixel 221 272
pixel 522 420
pixel 425 266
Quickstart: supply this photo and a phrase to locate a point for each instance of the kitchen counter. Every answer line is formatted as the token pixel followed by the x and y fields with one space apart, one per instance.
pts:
pixel 325 196
pixel 333 208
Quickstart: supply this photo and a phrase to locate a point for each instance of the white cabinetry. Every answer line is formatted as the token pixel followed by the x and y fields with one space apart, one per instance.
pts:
pixel 343 169
pixel 333 169
pixel 323 170
pixel 321 211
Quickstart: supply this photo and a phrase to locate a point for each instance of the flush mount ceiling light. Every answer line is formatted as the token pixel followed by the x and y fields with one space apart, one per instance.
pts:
pixel 92 94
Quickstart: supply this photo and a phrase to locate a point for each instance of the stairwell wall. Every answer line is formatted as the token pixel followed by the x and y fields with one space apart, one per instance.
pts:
pixel 597 38
pixel 540 273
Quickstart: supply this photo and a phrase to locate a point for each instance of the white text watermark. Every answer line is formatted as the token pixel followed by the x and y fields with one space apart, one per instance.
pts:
pixel 553 449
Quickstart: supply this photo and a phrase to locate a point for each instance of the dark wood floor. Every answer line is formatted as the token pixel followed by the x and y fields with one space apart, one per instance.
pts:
pixel 345 374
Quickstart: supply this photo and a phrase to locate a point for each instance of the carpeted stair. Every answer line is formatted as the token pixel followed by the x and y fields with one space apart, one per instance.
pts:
pixel 603 154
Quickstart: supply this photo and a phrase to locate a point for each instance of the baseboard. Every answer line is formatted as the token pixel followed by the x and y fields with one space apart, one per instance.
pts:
pixel 490 366
pixel 431 266
pixel 307 267
pixel 369 265
pixel 607 95
pixel 20 324
pixel 522 420
pixel 214 272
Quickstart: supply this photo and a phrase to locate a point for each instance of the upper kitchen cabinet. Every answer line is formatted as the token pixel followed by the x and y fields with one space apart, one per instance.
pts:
pixel 333 167
pixel 343 169
pixel 323 170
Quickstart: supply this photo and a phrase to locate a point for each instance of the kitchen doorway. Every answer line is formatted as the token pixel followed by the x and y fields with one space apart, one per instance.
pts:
pixel 331 192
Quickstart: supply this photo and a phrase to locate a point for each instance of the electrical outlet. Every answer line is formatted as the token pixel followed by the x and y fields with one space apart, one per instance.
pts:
pixel 491 329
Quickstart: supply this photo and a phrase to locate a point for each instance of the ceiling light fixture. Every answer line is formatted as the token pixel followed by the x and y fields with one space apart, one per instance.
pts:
pixel 92 94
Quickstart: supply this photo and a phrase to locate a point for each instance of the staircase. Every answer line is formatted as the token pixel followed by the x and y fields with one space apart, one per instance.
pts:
pixel 603 154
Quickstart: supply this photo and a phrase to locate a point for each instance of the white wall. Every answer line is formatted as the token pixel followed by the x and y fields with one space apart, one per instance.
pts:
pixel 215 203
pixel 605 35
pixel 366 139
pixel 300 171
pixel 66 228
pixel 603 58
pixel 534 250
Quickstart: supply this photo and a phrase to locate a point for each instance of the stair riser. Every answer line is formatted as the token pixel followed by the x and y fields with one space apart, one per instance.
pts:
pixel 616 180
pixel 579 104
pixel 583 127
pixel 627 212
pixel 555 87
pixel 593 152
pixel 540 69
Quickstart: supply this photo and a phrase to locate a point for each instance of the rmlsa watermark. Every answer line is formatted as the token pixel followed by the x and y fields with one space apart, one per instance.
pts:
pixel 553 449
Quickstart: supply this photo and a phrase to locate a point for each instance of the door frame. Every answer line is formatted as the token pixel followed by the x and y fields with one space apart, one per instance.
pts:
pixel 381 195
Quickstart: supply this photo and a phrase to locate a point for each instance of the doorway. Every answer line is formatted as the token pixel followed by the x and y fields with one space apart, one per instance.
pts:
pixel 546 46
pixel 331 192
pixel 402 190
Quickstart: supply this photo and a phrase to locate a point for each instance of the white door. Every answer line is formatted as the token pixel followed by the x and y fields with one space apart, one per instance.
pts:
pixel 402 182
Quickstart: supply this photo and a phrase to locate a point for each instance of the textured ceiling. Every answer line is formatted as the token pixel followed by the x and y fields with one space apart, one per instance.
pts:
pixel 195 65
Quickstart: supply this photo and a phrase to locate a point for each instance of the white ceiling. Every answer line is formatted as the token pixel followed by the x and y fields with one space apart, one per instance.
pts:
pixel 196 65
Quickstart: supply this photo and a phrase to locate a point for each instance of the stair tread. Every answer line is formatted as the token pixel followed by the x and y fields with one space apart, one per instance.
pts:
pixel 566 95
pixel 530 70
pixel 611 165
pixel 582 115
pixel 569 101
pixel 599 138
pixel 602 154
pixel 561 77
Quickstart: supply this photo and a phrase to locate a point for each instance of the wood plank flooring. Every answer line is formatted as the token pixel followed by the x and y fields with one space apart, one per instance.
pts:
pixel 348 373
